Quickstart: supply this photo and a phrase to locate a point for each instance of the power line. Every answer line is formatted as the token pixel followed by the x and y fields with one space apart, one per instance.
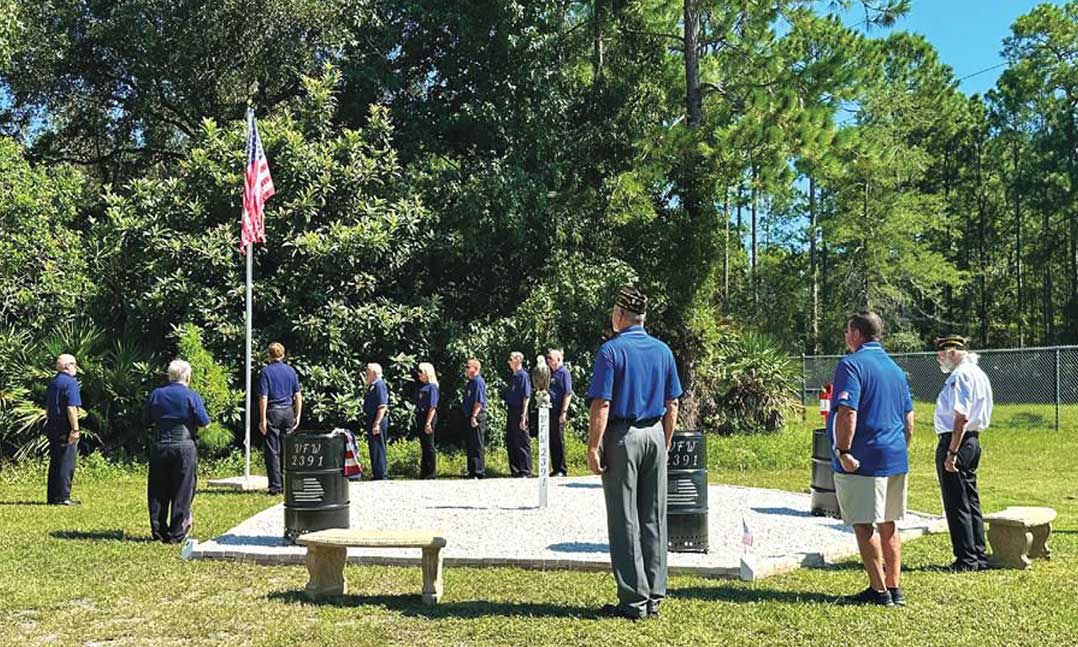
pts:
pixel 987 69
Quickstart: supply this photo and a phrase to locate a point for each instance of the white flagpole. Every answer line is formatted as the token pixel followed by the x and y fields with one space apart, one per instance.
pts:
pixel 247 372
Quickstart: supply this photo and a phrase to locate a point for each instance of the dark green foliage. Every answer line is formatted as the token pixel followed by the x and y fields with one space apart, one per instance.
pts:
pixel 211 381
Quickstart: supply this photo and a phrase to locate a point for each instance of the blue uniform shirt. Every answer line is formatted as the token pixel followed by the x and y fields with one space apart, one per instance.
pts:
pixel 869 382
pixel 520 388
pixel 278 383
pixel 61 393
pixel 175 403
pixel 561 385
pixel 476 391
pixel 637 374
pixel 377 396
pixel 427 398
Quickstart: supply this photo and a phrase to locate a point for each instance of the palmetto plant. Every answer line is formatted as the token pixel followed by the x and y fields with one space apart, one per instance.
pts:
pixel 759 384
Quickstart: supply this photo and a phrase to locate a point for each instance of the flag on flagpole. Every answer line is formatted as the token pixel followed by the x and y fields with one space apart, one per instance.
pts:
pixel 746 534
pixel 257 188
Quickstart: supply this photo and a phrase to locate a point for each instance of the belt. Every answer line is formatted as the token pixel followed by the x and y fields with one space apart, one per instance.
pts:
pixel 279 406
pixel 643 422
pixel 173 433
pixel 968 434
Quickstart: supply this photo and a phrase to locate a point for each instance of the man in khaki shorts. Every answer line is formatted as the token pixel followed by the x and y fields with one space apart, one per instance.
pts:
pixel 871 429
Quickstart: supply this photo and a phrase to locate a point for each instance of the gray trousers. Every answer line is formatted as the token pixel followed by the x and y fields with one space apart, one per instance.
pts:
pixel 634 485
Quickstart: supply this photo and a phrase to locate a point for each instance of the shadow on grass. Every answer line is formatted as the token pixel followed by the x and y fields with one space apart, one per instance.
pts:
pixel 100 535
pixel 228 492
pixel 728 593
pixel 412 605
pixel 1027 420
pixel 23 503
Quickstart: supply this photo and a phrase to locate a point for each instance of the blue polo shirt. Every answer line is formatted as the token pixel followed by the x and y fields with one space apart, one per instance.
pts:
pixel 175 403
pixel 278 383
pixel 61 393
pixel 377 396
pixel 637 374
pixel 426 399
pixel 869 382
pixel 520 388
pixel 475 391
pixel 561 385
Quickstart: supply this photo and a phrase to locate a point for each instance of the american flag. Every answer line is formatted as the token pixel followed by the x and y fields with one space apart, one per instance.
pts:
pixel 746 534
pixel 257 188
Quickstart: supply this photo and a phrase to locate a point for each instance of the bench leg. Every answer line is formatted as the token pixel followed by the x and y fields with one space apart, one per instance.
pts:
pixel 325 565
pixel 1010 546
pixel 1040 542
pixel 432 575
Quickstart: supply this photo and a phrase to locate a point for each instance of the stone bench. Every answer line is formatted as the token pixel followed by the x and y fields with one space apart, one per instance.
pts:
pixel 1017 534
pixel 327 551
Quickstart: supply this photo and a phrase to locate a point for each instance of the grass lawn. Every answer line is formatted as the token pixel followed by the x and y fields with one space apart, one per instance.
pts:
pixel 90 575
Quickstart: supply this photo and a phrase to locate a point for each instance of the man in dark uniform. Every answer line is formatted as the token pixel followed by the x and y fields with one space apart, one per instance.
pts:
pixel 561 393
pixel 280 405
pixel 517 441
pixel 376 415
pixel 176 412
pixel 475 418
pixel 62 402
pixel 634 402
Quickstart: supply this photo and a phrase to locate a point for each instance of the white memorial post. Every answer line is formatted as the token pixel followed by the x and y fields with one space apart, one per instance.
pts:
pixel 544 445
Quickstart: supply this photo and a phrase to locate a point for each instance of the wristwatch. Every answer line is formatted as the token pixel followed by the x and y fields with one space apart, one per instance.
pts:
pixel 951 452
pixel 842 452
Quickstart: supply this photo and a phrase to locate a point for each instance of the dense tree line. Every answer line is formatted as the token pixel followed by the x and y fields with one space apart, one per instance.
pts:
pixel 464 179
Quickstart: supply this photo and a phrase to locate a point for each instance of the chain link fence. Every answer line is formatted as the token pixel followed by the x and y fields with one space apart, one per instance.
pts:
pixel 1032 388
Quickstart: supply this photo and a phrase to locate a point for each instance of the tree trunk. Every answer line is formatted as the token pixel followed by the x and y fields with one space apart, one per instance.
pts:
pixel 813 346
pixel 693 105
pixel 983 248
pixel 725 247
pixel 755 242
pixel 597 20
pixel 1018 246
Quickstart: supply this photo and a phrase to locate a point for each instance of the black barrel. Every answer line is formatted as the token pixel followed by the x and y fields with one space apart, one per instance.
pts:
pixel 315 488
pixel 686 493
pixel 824 503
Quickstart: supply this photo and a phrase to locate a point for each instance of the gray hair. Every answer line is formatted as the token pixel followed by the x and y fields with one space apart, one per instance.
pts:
pixel 517 355
pixel 426 368
pixel 64 361
pixel 633 318
pixel 376 367
pixel 555 351
pixel 179 371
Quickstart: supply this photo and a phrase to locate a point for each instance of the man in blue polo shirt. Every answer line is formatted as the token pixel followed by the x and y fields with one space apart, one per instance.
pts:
pixel 634 395
pixel 279 405
pixel 871 429
pixel 62 402
pixel 376 415
pixel 561 394
pixel 475 418
pixel 517 440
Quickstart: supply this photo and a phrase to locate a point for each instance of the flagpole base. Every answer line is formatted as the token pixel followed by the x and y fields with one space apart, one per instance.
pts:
pixel 252 483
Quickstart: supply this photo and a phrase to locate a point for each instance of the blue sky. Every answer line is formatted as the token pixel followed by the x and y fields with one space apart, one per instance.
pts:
pixel 968 34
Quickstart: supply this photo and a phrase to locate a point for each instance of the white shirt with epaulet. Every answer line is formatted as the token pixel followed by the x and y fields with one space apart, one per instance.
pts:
pixel 967 392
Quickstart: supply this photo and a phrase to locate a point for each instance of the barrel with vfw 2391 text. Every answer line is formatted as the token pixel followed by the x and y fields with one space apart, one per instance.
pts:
pixel 315 488
pixel 686 492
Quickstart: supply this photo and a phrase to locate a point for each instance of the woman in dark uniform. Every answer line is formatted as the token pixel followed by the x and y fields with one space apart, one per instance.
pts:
pixel 427 417
pixel 176 412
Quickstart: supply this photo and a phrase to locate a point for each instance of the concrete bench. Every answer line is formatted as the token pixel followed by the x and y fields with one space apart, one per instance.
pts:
pixel 1019 533
pixel 327 551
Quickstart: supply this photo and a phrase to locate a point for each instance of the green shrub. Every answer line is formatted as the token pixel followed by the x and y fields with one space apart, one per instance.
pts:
pixel 210 380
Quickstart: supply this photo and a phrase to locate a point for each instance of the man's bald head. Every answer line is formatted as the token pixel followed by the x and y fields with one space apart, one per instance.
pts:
pixel 66 364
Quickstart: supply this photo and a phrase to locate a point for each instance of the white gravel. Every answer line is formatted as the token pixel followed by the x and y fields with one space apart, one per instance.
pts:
pixel 497 522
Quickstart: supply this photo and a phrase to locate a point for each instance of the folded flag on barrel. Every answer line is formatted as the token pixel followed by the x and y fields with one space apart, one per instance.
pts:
pixel 352 468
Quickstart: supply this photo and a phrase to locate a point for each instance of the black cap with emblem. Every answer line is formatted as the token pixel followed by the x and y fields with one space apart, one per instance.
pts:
pixel 951 342
pixel 632 299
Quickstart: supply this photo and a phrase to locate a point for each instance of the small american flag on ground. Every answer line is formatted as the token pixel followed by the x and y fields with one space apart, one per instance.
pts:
pixel 746 534
pixel 257 188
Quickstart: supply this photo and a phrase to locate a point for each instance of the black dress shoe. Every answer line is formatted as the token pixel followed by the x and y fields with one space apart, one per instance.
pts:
pixel 962 567
pixel 66 502
pixel 619 611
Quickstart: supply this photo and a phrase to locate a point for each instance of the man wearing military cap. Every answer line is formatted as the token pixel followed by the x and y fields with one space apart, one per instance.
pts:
pixel 634 395
pixel 963 413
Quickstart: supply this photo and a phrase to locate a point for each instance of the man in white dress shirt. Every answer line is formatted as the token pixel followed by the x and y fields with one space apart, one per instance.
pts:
pixel 963 412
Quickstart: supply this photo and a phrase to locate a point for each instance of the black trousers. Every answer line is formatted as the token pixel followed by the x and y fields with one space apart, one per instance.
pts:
pixel 62 458
pixel 279 421
pixel 426 445
pixel 961 501
pixel 475 444
pixel 376 446
pixel 518 445
pixel 171 489
pixel 557 443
